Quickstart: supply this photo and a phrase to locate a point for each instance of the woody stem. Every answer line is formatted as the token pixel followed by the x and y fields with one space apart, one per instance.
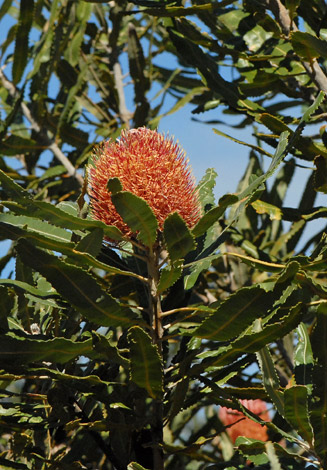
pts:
pixel 157 334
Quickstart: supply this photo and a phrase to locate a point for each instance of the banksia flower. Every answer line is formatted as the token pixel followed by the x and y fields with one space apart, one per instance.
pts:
pixel 151 166
pixel 245 427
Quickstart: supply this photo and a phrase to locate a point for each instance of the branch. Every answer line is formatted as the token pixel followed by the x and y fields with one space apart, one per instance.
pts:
pixel 282 16
pixel 71 170
pixel 124 114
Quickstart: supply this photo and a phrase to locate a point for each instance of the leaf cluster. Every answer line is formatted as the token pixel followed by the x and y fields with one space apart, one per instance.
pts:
pixel 84 381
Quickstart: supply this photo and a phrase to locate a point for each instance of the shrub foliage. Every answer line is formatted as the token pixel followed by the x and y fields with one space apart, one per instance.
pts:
pixel 88 379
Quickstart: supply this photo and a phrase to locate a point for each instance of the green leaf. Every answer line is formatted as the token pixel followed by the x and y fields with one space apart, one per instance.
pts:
pixel 91 243
pixel 178 238
pixel 24 286
pixel 114 185
pixel 134 465
pixel 318 405
pixel 272 457
pixel 15 145
pixel 314 107
pixel 252 449
pixel 205 188
pixel 270 378
pixel 253 342
pixel 138 215
pixel 16 350
pixel 62 218
pixel 262 207
pixel 11 188
pixel 254 147
pixel 78 287
pixel 136 64
pixel 26 13
pixel 303 357
pixel 308 46
pixel 53 242
pixel 235 314
pixel 168 276
pixel 145 362
pixel 195 269
pixel 320 174
pixel 296 411
pixel 214 214
pixel 35 226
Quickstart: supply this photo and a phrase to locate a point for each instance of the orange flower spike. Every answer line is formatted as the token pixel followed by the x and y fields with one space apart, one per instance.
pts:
pixel 150 165
pixel 240 425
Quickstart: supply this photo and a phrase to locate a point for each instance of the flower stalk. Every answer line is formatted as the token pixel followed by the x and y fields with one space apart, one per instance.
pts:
pixel 155 319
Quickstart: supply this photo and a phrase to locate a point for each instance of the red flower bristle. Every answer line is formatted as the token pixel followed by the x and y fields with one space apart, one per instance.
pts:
pixel 151 166
pixel 240 425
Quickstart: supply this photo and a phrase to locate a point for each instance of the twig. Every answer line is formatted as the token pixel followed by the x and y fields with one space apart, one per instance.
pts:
pixel 282 16
pixel 50 144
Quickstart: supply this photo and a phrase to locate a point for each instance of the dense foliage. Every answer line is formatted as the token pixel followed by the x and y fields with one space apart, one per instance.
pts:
pixel 118 356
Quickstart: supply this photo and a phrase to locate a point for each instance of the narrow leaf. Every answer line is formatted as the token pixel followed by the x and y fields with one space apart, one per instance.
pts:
pixel 137 214
pixel 11 188
pixel 78 287
pixel 59 217
pixel 16 350
pixel 205 188
pixel 318 405
pixel 214 214
pixel 178 238
pixel 168 276
pixel 235 314
pixel 146 366
pixel 253 342
pixel 26 13
pixel 270 379
pixel 296 411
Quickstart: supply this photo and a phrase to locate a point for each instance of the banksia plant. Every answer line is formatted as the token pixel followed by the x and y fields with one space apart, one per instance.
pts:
pixel 237 424
pixel 149 165
pixel 142 185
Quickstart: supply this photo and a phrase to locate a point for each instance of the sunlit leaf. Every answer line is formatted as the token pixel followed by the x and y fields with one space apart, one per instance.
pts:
pixel 138 215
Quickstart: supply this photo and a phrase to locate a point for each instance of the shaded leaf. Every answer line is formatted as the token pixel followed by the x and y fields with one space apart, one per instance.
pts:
pixel 235 314
pixel 178 238
pixel 168 276
pixel 297 412
pixel 318 406
pixel 308 46
pixel 270 378
pixel 320 174
pixel 15 350
pixel 145 362
pixel 11 188
pixel 253 342
pixel 91 243
pixel 26 13
pixel 214 214
pixel 78 287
